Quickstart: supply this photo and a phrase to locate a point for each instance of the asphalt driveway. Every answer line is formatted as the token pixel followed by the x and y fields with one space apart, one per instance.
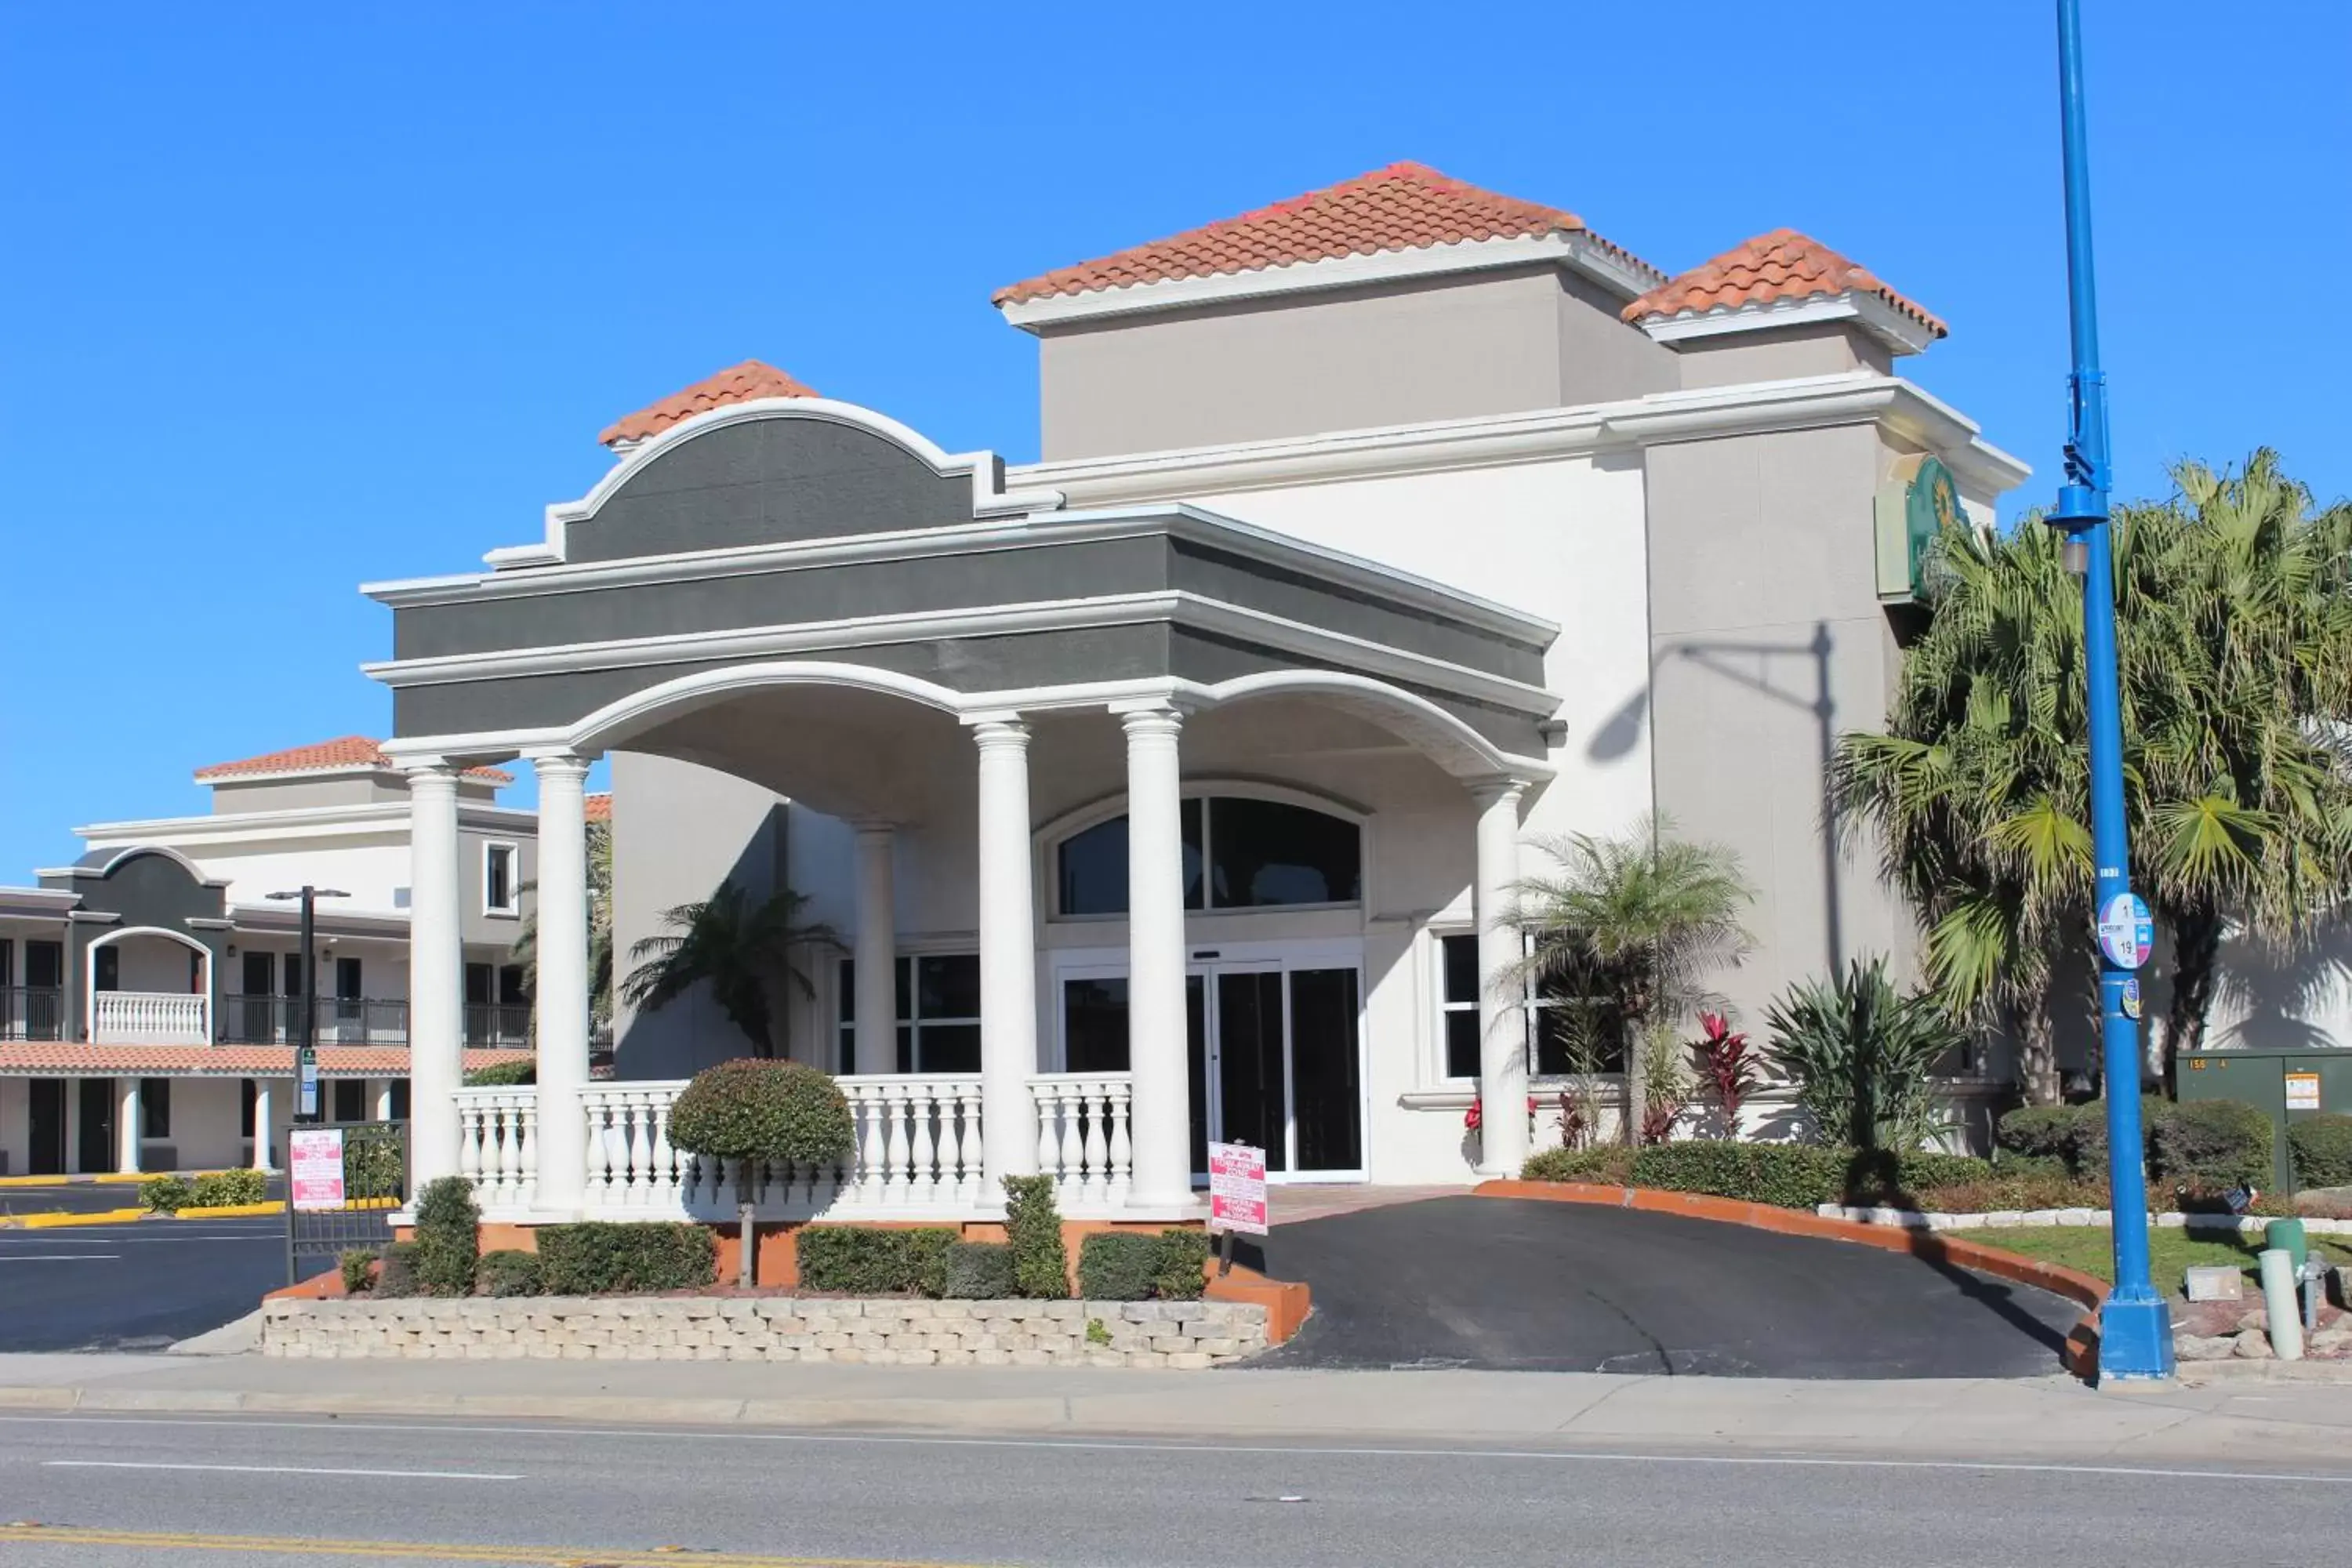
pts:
pixel 133 1286
pixel 1522 1285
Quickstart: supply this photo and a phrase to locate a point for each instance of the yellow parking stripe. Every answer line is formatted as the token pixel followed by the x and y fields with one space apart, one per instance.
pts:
pixel 525 1556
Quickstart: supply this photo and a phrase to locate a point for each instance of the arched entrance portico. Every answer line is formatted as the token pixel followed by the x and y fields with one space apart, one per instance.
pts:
pixel 960 706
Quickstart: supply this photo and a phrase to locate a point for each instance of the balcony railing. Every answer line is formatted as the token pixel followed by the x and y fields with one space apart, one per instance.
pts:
pixel 32 1013
pixel 342 1020
pixel 504 1023
pixel 150 1018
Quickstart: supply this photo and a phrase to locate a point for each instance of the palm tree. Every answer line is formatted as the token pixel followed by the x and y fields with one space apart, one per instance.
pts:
pixel 743 950
pixel 2234 632
pixel 1631 928
pixel 600 929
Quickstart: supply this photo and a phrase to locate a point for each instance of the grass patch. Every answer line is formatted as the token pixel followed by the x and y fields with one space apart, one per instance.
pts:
pixel 2091 1250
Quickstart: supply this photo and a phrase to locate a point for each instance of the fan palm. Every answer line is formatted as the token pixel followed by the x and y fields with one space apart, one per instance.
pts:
pixel 744 951
pixel 1631 928
pixel 2234 648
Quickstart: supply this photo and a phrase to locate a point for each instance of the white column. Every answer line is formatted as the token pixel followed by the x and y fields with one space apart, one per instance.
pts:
pixel 384 1099
pixel 1008 957
pixel 126 1123
pixel 261 1127
pixel 1502 1027
pixel 436 975
pixel 561 991
pixel 874 957
pixel 1155 960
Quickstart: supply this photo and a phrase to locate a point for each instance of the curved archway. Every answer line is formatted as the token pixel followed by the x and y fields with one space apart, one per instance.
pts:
pixel 1448 741
pixel 163 851
pixel 141 1017
pixel 613 723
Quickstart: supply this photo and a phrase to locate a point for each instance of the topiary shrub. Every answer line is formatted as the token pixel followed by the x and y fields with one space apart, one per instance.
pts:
pixel 1881 1176
pixel 1041 1264
pixel 2090 1156
pixel 2041 1131
pixel 604 1257
pixel 448 1237
pixel 1118 1266
pixel 225 1189
pixel 2212 1145
pixel 504 1075
pixel 508 1272
pixel 876 1260
pixel 753 1111
pixel 396 1277
pixel 1788 1175
pixel 166 1194
pixel 358 1265
pixel 1183 1266
pixel 979 1271
pixel 2321 1149
pixel 1610 1166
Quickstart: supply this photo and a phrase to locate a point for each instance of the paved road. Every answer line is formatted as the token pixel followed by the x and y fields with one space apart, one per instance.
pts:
pixel 174 1493
pixel 1521 1285
pixel 86 1197
pixel 133 1286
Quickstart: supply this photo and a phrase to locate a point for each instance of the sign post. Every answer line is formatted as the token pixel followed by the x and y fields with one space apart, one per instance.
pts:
pixel 1236 1196
pixel 314 1179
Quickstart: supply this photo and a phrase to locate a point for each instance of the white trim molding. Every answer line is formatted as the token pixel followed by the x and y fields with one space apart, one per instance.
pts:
pixel 1575 250
pixel 1901 333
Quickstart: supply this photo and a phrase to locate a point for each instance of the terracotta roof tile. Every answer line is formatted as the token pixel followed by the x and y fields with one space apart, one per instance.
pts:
pixel 1782 264
pixel 600 808
pixel 1404 207
pixel 347 752
pixel 736 383
pixel 217 1061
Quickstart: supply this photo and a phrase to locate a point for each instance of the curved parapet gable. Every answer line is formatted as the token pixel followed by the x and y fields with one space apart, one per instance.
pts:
pixel 773 471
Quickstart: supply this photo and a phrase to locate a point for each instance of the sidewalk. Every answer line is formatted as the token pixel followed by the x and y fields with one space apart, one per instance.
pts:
pixel 2271 1426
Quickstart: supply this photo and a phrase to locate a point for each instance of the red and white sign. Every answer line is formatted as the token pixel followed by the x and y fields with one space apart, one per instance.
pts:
pixel 315 1166
pixel 1237 1188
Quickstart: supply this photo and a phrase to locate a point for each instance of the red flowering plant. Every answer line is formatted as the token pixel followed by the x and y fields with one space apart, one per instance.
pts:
pixel 1475 1117
pixel 1729 1064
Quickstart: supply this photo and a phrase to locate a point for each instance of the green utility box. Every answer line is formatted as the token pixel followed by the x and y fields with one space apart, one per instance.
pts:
pixel 2288 1086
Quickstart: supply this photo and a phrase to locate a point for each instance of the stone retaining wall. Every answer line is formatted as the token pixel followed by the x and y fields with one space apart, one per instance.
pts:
pixel 1175 1334
pixel 1911 1219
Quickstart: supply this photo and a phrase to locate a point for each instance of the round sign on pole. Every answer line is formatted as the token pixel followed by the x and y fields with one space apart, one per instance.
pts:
pixel 2126 930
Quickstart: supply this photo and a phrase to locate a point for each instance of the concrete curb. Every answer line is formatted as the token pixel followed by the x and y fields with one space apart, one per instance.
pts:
pixel 2195 1373
pixel 58 1219
pixel 2003 1219
pixel 116 1178
pixel 233 1211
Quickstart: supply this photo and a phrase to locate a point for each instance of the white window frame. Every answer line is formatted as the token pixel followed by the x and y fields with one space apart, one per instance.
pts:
pixel 1055 834
pixel 513 906
pixel 1442 1008
pixel 846 1029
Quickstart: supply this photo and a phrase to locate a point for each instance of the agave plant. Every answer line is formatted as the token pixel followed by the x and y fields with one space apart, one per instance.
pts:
pixel 1859 1054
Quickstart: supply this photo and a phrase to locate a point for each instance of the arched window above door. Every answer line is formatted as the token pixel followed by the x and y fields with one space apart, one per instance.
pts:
pixel 1241 852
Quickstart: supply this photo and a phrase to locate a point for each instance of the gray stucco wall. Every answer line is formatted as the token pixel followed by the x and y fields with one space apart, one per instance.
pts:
pixel 1827 349
pixel 303 794
pixel 1393 353
pixel 1768 641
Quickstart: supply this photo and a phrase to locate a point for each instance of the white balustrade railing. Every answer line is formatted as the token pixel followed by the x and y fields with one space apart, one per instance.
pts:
pixel 917 1153
pixel 1082 1137
pixel 150 1018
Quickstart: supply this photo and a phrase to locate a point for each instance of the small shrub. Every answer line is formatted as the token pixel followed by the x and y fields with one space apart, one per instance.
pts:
pixel 1884 1177
pixel 397 1276
pixel 1610 1166
pixel 2321 1148
pixel 508 1272
pixel 979 1271
pixel 223 1189
pixel 874 1260
pixel 1788 1175
pixel 359 1268
pixel 1183 1266
pixel 373 1168
pixel 755 1111
pixel 1728 1064
pixel 448 1239
pixel 1859 1054
pixel 1118 1266
pixel 1041 1264
pixel 2212 1145
pixel 2090 1157
pixel 604 1257
pixel 1098 1332
pixel 166 1194
pixel 2040 1188
pixel 2007 1162
pixel 2041 1131
pixel 503 1075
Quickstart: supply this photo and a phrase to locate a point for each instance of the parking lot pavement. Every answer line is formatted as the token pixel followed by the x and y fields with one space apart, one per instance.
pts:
pixel 133 1286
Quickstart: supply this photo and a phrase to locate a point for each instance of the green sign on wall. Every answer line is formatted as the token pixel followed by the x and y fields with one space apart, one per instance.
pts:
pixel 1911 511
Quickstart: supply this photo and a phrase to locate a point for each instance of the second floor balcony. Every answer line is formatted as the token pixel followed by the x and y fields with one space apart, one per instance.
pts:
pixel 361 1021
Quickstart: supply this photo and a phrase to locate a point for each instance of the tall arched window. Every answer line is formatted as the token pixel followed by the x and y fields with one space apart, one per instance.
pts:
pixel 1240 853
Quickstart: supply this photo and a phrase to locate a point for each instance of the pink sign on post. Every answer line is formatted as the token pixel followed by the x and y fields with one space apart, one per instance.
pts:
pixel 1237 1188
pixel 315 1167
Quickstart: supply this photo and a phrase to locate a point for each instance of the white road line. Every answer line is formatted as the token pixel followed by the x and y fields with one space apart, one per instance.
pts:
pixel 1212 1445
pixel 57 1257
pixel 278 1470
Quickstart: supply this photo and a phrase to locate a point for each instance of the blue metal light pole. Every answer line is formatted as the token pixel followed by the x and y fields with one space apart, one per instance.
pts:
pixel 2135 1330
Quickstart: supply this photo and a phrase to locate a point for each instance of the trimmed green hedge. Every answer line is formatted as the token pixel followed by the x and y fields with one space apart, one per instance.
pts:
pixel 358 1265
pixel 166 1194
pixel 2321 1147
pixel 397 1277
pixel 508 1272
pixel 980 1271
pixel 2043 1131
pixel 1041 1264
pixel 875 1260
pixel 1129 1265
pixel 1610 1166
pixel 2212 1145
pixel 503 1075
pixel 448 1239
pixel 1790 1175
pixel 599 1257
pixel 756 1108
pixel 220 1189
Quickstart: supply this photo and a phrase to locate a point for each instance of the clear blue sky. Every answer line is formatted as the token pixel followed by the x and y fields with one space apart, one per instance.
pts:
pixel 303 296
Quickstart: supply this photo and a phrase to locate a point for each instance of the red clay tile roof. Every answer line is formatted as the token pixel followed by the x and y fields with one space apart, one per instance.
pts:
pixel 219 1061
pixel 1782 264
pixel 347 752
pixel 1405 206
pixel 600 808
pixel 736 383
